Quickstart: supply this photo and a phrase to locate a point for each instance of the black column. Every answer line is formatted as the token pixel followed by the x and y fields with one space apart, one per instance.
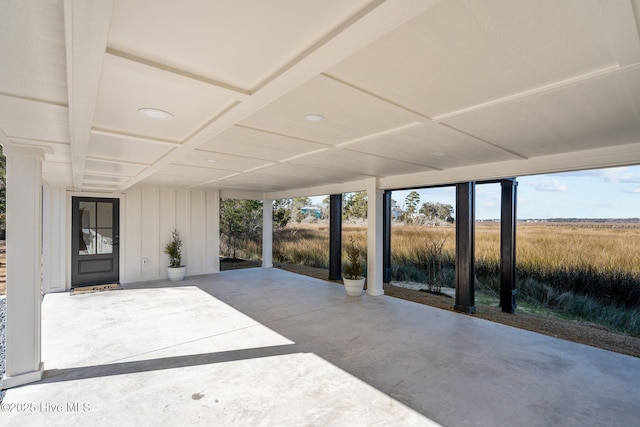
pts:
pixel 386 237
pixel 335 237
pixel 465 242
pixel 508 220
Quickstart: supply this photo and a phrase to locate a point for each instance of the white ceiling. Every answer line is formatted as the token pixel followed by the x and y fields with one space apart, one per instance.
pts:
pixel 414 92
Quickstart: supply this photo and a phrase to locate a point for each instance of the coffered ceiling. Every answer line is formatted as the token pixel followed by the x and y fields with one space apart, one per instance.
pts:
pixel 412 92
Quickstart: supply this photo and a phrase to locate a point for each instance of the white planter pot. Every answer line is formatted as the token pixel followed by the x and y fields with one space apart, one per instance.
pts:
pixel 176 274
pixel 354 287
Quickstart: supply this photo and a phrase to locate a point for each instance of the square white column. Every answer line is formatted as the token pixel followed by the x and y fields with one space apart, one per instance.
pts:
pixel 267 233
pixel 24 255
pixel 374 238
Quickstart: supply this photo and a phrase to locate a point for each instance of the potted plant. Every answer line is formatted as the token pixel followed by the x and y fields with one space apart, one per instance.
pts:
pixel 174 249
pixel 353 272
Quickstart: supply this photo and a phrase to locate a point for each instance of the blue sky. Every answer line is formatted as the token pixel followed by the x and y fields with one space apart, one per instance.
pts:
pixel 598 193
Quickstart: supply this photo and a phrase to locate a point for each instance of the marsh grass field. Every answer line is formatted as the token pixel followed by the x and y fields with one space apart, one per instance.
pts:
pixel 584 271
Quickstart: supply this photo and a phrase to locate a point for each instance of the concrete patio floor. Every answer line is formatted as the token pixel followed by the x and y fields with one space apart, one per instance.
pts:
pixel 268 347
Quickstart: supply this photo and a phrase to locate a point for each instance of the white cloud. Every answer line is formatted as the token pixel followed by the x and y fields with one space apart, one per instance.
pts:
pixel 549 185
pixel 633 191
pixel 623 175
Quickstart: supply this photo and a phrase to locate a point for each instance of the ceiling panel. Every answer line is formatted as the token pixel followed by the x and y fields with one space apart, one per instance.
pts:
pixel 432 145
pixel 342 108
pixel 121 148
pixel 255 181
pixel 127 86
pixel 34 120
pixel 292 173
pixel 203 174
pixel 207 159
pixel 161 180
pixel 463 53
pixel 462 86
pixel 358 163
pixel 103 179
pixel 598 113
pixel 57 174
pixel 112 168
pixel 242 141
pixel 58 180
pixel 37 68
pixel 240 42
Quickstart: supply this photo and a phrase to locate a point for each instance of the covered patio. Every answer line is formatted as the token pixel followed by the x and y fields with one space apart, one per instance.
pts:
pixel 269 347
pixel 122 120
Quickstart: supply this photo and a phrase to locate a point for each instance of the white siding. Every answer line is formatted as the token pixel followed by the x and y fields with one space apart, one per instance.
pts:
pixel 149 216
pixel 54 239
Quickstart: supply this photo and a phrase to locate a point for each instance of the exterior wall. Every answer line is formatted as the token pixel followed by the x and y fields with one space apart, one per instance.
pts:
pixel 149 214
pixel 54 239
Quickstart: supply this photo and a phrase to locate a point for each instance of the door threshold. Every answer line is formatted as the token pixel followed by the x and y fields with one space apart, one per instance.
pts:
pixel 95 288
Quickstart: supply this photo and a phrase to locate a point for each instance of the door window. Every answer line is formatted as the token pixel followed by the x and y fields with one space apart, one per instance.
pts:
pixel 96 228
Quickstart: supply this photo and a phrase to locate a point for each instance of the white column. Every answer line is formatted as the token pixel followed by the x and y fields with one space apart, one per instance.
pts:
pixel 24 280
pixel 374 238
pixel 267 233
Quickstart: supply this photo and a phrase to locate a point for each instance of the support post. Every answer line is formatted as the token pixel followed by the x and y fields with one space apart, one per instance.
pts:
pixel 386 236
pixel 374 239
pixel 267 233
pixel 508 222
pixel 24 280
pixel 465 242
pixel 335 237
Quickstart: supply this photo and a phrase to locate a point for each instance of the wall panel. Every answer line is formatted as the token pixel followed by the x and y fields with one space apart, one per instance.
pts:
pixel 151 214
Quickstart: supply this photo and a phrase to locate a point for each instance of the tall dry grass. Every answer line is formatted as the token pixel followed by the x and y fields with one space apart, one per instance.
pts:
pixel 544 251
pixel 587 271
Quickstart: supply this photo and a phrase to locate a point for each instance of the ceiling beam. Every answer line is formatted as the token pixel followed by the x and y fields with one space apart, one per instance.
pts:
pixel 337 46
pixel 619 155
pixel 172 72
pixel 123 135
pixel 86 31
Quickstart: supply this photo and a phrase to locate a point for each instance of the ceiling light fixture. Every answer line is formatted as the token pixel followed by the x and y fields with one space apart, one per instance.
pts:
pixel 438 153
pixel 154 113
pixel 314 117
pixel 212 161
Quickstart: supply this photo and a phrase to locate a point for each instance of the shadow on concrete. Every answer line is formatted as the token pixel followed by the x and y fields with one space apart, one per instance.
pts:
pixel 137 366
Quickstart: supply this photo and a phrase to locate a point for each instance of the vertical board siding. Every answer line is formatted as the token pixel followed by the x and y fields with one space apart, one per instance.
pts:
pixel 130 251
pixel 149 217
pixel 212 249
pixel 149 226
pixel 54 239
pixel 167 223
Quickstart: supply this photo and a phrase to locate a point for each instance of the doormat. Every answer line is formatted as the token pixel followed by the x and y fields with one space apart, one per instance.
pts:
pixel 95 288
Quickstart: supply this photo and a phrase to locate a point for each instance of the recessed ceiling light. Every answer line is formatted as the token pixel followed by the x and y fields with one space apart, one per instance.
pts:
pixel 212 161
pixel 438 153
pixel 314 117
pixel 154 113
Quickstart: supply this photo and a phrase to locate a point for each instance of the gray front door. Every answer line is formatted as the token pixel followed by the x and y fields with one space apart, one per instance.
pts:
pixel 95 241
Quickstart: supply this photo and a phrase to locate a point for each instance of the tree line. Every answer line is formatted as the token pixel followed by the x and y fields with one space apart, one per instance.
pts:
pixel 241 220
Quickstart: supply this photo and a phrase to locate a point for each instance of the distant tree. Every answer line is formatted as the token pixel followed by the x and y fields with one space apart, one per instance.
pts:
pixel 437 210
pixel 411 203
pixel 355 205
pixel 239 219
pixel 326 207
pixel 281 213
pixel 296 207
